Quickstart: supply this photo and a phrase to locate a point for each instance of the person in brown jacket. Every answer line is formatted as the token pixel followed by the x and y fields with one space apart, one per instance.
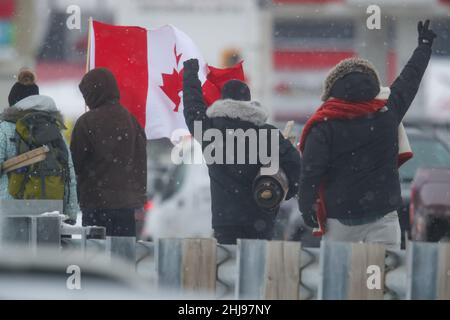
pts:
pixel 109 154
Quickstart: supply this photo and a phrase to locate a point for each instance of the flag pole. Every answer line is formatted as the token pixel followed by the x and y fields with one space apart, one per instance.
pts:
pixel 88 54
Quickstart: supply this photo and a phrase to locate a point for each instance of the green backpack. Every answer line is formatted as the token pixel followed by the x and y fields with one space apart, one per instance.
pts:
pixel 46 180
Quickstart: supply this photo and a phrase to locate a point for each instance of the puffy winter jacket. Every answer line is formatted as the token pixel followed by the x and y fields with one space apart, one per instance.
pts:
pixel 358 159
pixel 8 147
pixel 232 184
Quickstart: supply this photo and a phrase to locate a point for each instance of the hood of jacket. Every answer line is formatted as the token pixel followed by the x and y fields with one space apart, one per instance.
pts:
pixel 99 87
pixel 249 111
pixel 37 103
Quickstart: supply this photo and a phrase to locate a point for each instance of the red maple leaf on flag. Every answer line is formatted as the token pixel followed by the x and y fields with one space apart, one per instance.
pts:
pixel 216 78
pixel 173 83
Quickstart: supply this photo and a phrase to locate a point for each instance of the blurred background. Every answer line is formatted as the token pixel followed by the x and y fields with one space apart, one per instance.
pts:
pixel 288 47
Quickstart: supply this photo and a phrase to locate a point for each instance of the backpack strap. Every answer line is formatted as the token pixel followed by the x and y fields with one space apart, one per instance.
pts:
pixel 66 187
pixel 44 190
pixel 26 178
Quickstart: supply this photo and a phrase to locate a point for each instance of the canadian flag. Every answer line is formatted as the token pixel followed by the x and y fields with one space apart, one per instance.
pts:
pixel 148 65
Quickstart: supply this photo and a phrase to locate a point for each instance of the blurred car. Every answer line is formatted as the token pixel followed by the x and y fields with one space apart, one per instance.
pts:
pixel 180 195
pixel 429 151
pixel 430 205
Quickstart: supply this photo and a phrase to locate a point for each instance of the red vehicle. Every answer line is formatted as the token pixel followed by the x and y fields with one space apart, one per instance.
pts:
pixel 430 205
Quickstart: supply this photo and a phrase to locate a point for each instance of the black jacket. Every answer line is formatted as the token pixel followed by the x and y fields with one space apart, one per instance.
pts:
pixel 357 159
pixel 231 184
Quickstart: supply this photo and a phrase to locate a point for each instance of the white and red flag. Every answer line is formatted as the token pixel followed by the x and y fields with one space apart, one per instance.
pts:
pixel 148 65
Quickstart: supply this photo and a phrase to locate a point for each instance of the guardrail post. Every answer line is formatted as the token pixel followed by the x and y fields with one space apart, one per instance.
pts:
pixel 282 276
pixel 268 270
pixel 428 271
pixel 347 268
pixel 168 263
pixel 122 247
pixel 32 231
pixel 16 231
pixel 251 257
pixel 48 231
pixel 367 272
pixel 187 264
pixel 25 224
pixel 334 266
pixel 444 272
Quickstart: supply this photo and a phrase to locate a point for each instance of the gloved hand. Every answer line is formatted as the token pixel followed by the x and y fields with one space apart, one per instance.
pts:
pixel 191 65
pixel 310 221
pixel 426 35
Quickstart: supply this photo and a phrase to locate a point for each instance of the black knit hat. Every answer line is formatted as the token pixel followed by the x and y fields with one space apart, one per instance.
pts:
pixel 356 87
pixel 236 90
pixel 23 88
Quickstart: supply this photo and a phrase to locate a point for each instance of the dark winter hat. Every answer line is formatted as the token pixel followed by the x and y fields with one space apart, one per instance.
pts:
pixel 352 70
pixel 23 88
pixel 99 86
pixel 356 87
pixel 236 90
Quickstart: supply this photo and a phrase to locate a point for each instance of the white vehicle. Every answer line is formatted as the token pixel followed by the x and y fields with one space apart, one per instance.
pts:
pixel 181 205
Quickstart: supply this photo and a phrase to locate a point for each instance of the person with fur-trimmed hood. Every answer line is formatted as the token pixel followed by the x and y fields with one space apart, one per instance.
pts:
pixel 352 147
pixel 24 99
pixel 235 214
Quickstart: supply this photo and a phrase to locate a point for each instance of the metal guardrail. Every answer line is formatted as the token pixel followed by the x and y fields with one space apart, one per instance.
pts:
pixel 405 275
pixel 257 269
pixel 227 268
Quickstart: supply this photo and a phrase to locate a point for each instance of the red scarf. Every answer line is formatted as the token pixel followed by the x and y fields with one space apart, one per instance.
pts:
pixel 334 109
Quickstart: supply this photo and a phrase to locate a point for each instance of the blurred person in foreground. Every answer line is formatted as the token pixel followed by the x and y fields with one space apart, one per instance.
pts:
pixel 109 153
pixel 31 121
pixel 352 148
pixel 235 213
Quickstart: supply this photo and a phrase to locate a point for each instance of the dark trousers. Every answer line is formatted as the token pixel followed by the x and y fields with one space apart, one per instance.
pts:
pixel 118 222
pixel 230 234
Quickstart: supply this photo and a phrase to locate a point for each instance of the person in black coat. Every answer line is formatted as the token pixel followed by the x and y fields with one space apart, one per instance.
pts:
pixel 352 161
pixel 235 214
